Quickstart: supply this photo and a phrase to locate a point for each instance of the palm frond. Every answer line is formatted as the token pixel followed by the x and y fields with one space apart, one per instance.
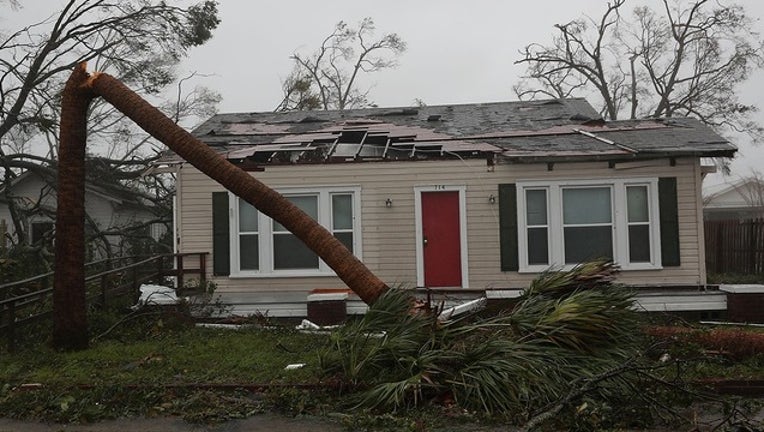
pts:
pixel 569 327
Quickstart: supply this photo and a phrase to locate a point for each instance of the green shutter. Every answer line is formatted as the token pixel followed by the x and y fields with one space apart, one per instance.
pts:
pixel 508 227
pixel 221 251
pixel 667 203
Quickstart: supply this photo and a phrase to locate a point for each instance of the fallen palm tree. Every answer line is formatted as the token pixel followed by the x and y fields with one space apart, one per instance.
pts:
pixel 70 321
pixel 569 327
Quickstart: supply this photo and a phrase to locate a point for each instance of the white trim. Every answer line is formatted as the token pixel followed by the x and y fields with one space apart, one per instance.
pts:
pixel 499 294
pixel 742 288
pixel 265 233
pixel 619 221
pixel 462 192
pixel 327 297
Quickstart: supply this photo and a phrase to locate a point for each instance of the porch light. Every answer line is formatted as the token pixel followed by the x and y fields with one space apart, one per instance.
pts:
pixel 388 202
pixel 492 199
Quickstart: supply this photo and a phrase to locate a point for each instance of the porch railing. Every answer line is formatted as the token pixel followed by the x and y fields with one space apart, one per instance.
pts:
pixel 30 301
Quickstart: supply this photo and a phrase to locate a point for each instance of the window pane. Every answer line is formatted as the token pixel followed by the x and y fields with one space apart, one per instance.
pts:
pixel 249 258
pixel 346 238
pixel 637 203
pixel 39 230
pixel 342 211
pixel 291 253
pixel 538 246
pixel 639 243
pixel 535 202
pixel 587 243
pixel 247 217
pixel 586 205
pixel 308 204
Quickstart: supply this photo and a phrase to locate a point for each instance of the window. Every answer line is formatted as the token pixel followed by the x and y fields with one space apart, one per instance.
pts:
pixel 587 223
pixel 263 247
pixel 40 231
pixel 249 238
pixel 342 219
pixel 565 223
pixel 537 225
pixel 289 253
pixel 638 219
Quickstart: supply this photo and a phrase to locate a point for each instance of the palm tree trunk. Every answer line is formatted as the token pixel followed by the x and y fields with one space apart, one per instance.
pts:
pixel 70 330
pixel 351 270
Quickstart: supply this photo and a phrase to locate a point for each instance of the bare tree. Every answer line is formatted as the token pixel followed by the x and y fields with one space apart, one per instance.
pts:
pixel 751 189
pixel 140 41
pixel 328 78
pixel 686 59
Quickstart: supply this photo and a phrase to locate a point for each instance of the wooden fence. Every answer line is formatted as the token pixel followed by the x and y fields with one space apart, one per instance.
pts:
pixel 735 246
pixel 30 300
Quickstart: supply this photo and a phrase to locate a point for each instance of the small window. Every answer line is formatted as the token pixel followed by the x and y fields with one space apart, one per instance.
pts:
pixel 249 237
pixel 40 231
pixel 342 219
pixel 537 220
pixel 638 216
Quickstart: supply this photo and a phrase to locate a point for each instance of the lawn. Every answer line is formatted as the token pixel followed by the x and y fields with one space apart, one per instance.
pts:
pixel 162 364
pixel 193 356
pixel 201 374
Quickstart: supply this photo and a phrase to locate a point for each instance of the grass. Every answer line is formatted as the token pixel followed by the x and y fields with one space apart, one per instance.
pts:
pixel 169 371
pixel 193 356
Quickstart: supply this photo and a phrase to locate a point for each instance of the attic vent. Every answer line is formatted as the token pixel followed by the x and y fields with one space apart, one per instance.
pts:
pixel 433 118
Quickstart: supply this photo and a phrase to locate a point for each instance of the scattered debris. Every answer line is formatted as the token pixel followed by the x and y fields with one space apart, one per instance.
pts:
pixel 156 295
pixel 469 306
pixel 224 326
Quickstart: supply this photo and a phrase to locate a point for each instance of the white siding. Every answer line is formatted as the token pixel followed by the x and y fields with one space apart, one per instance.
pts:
pixel 389 232
pixel 104 212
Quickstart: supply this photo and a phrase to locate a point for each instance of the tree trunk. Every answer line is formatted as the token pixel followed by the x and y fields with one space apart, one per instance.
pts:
pixel 70 330
pixel 351 270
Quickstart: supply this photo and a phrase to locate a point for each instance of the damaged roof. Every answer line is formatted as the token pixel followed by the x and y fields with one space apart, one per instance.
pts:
pixel 523 131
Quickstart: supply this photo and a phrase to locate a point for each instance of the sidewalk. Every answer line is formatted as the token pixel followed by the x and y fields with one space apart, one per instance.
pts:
pixel 258 423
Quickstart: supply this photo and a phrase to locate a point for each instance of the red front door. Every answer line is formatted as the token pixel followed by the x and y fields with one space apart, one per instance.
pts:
pixel 441 239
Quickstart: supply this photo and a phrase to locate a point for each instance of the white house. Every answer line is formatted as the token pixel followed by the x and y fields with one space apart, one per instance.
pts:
pixel 462 198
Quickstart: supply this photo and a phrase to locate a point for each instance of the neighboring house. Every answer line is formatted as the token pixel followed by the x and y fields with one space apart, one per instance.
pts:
pixel 109 209
pixel 463 198
pixel 740 199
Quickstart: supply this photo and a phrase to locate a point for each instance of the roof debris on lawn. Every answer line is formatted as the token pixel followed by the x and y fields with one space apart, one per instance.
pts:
pixel 525 131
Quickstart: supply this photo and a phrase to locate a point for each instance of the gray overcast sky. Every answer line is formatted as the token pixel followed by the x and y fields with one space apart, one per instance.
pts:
pixel 458 51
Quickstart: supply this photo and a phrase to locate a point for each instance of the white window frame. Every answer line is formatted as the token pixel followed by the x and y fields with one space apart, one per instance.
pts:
pixel 265 232
pixel 620 223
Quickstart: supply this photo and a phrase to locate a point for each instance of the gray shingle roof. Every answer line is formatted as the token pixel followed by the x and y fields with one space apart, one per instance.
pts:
pixel 525 131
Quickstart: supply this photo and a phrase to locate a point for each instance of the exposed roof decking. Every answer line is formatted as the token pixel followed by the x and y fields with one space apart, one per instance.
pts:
pixel 554 130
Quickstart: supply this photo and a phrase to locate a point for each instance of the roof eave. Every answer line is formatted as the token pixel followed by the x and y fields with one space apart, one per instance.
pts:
pixel 607 156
